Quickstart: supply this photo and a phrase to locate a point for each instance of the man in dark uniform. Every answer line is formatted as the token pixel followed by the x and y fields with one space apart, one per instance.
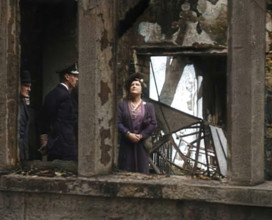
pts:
pixel 24 115
pixel 59 118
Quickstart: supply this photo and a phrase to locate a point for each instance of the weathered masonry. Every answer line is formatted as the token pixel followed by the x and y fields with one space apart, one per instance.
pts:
pixel 108 38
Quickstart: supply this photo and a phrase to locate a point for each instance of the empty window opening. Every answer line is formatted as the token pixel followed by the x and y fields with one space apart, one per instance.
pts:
pixel 189 95
pixel 48 44
pixel 185 97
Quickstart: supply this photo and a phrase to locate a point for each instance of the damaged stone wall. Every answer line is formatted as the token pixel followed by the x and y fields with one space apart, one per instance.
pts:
pixel 186 23
pixel 268 118
pixel 68 198
pixel 53 206
pixel 97 86
pixel 178 24
pixel 161 23
pixel 130 196
pixel 268 100
pixel 9 84
pixel 181 24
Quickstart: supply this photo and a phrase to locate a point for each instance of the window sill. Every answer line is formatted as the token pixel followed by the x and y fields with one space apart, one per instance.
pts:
pixel 132 185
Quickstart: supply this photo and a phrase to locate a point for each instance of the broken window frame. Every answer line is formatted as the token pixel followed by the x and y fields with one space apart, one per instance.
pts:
pixel 9 62
pixel 142 64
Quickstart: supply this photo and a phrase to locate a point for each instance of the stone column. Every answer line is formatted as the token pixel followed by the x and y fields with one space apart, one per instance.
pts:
pixel 246 72
pixel 96 86
pixel 9 75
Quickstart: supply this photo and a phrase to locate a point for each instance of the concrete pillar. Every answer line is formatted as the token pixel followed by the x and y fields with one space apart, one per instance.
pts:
pixel 96 86
pixel 246 72
pixel 9 79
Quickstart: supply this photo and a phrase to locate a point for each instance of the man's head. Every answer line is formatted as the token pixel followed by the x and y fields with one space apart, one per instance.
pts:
pixel 25 84
pixel 69 76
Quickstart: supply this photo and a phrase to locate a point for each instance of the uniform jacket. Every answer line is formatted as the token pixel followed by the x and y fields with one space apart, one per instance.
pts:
pixel 59 120
pixel 24 128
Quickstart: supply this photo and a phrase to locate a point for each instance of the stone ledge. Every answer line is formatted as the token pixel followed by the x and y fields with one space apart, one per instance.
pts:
pixel 131 185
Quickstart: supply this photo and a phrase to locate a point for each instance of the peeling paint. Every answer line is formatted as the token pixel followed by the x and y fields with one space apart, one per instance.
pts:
pixel 12 82
pixel 109 189
pixel 151 32
pixel 192 37
pixel 88 4
pixel 131 15
pixel 268 117
pixel 268 28
pixel 105 148
pixel 186 23
pixel 104 40
pixel 104 92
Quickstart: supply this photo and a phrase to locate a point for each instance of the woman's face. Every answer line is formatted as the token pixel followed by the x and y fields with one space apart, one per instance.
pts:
pixel 135 88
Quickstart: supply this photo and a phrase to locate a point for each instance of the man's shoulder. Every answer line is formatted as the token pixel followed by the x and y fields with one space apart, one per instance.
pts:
pixel 57 92
pixel 59 89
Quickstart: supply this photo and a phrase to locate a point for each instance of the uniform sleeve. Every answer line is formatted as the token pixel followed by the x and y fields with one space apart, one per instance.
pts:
pixel 47 113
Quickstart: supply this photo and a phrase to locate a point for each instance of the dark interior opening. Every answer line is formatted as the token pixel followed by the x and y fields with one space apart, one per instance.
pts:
pixel 48 43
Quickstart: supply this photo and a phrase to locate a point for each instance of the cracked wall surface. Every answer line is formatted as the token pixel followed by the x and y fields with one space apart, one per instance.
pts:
pixel 119 198
pixel 9 65
pixel 96 91
pixel 194 23
pixel 186 23
pixel 130 196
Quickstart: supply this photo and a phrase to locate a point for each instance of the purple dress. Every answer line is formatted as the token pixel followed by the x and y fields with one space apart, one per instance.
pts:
pixel 133 156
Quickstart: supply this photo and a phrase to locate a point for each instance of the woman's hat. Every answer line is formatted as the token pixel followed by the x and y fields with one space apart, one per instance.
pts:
pixel 133 77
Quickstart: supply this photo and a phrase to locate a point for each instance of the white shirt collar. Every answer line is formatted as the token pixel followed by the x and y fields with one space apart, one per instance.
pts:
pixel 65 86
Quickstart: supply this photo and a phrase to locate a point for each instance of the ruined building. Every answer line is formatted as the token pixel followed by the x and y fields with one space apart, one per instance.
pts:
pixel 223 47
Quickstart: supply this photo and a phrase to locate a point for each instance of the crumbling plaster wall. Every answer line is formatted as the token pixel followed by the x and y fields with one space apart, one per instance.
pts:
pixel 168 23
pixel 96 86
pixel 186 23
pixel 21 203
pixel 130 196
pixel 9 83
pixel 165 23
pixel 14 205
pixel 268 118
pixel 268 99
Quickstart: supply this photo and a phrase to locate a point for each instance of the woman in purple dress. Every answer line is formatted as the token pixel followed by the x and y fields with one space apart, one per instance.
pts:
pixel 136 122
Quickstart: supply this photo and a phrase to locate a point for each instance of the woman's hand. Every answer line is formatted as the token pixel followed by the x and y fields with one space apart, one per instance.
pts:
pixel 135 138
